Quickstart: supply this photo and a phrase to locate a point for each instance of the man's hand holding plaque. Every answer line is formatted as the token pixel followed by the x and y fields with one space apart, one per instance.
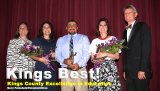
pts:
pixel 69 61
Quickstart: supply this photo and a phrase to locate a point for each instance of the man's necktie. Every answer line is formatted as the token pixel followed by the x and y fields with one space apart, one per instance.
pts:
pixel 71 45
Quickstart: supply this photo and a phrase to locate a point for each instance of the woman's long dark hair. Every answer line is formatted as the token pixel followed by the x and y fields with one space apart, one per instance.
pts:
pixel 41 30
pixel 17 35
pixel 108 26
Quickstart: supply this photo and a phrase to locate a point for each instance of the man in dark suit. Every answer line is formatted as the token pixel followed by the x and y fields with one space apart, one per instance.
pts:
pixel 136 58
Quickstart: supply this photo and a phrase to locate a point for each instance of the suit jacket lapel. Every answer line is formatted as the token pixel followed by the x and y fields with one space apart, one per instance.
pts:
pixel 125 36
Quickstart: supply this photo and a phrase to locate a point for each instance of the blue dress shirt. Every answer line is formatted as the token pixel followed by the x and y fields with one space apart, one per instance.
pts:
pixel 80 46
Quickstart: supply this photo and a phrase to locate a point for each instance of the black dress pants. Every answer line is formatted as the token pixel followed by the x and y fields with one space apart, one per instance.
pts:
pixel 135 84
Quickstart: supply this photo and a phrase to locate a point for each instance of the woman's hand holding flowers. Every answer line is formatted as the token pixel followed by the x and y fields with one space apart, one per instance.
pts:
pixel 44 60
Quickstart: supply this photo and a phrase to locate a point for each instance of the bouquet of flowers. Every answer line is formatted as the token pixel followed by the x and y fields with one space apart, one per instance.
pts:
pixel 32 50
pixel 112 46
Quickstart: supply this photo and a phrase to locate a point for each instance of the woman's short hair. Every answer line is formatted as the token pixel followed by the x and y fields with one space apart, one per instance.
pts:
pixel 17 35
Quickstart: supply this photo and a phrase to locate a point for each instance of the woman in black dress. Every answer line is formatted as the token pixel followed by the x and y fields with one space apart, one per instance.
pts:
pixel 46 41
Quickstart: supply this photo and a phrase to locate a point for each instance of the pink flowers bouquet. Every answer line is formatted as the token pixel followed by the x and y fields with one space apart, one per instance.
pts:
pixel 32 50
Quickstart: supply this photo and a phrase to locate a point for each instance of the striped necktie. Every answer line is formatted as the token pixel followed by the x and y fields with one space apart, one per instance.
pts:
pixel 71 45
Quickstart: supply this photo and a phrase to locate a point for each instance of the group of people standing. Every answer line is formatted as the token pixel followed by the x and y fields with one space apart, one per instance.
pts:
pixel 73 51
